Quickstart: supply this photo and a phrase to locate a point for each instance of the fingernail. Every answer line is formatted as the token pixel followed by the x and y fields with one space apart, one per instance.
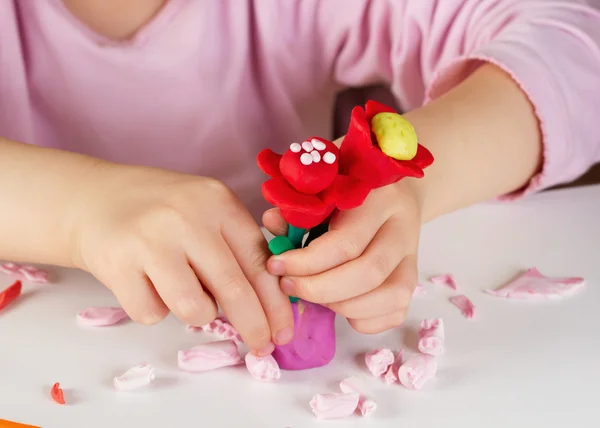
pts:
pixel 276 266
pixel 284 336
pixel 287 285
pixel 267 350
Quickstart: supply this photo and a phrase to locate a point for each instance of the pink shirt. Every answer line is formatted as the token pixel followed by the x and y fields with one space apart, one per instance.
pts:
pixel 208 83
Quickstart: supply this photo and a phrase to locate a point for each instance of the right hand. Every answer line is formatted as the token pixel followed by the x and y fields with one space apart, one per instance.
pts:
pixel 161 241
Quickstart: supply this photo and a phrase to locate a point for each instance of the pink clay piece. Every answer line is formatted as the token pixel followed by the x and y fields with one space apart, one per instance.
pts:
pixel 264 369
pixel 445 279
pixel 417 370
pixel 532 285
pixel 24 272
pixel 462 302
pixel 333 406
pixel 101 316
pixel 313 344
pixel 136 377
pixel 419 290
pixel 352 384
pixel 391 376
pixel 431 337
pixel 379 360
pixel 209 356
pixel 220 327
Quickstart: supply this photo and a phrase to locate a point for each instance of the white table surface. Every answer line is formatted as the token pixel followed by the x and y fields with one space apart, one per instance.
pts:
pixel 519 364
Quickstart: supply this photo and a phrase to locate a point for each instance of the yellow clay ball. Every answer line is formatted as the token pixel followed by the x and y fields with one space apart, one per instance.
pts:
pixel 395 135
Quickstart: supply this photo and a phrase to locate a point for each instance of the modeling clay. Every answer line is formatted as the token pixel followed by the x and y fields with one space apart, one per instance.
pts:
pixel 134 378
pixel 209 356
pixel 332 406
pixel 446 279
pixel 395 136
pixel 57 394
pixel 222 328
pixel 280 244
pixel 314 338
pixel 207 328
pixel 313 179
pixel 305 183
pixel 533 285
pixel 417 370
pixel 10 424
pixel 379 360
pixel 462 302
pixel 419 290
pixel 431 337
pixel 10 294
pixel 355 384
pixel 368 146
pixel 24 273
pixel 263 368
pixel 391 376
pixel 101 316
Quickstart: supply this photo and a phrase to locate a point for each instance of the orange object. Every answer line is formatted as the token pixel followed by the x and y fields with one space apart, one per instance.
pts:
pixel 8 424
pixel 10 294
pixel 57 394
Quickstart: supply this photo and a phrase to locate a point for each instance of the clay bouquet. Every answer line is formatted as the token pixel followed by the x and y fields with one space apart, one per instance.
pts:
pixel 313 179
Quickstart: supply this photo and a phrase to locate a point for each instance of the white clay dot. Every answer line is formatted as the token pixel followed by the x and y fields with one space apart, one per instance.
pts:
pixel 307 146
pixel 329 158
pixel 315 156
pixel 295 147
pixel 318 144
pixel 306 159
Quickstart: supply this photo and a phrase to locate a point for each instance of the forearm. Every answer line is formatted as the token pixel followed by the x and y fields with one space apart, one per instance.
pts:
pixel 485 138
pixel 39 189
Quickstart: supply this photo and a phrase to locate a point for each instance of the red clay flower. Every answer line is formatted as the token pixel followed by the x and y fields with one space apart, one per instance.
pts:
pixel 306 184
pixel 362 158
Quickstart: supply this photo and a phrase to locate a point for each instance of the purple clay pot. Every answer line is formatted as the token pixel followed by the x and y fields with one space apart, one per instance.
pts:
pixel 314 338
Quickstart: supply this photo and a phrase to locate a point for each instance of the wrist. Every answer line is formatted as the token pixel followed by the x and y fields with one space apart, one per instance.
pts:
pixel 93 185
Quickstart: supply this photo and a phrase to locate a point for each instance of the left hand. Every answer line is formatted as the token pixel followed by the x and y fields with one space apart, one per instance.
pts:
pixel 365 267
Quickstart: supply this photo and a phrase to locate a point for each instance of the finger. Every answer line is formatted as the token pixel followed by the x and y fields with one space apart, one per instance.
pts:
pixel 252 253
pixel 356 277
pixel 138 298
pixel 394 295
pixel 179 287
pixel 349 234
pixel 379 324
pixel 217 268
pixel 274 222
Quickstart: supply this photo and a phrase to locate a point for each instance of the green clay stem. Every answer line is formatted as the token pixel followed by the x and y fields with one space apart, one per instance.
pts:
pixel 296 235
pixel 279 245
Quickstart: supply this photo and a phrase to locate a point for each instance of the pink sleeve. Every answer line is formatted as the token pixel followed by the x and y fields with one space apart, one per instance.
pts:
pixel 424 48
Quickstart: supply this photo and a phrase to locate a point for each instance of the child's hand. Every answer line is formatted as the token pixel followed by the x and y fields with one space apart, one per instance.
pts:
pixel 161 240
pixel 365 266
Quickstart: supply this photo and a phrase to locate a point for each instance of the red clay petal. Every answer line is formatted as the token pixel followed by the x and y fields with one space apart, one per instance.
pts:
pixel 423 158
pixel 346 193
pixel 57 394
pixel 278 192
pixel 364 160
pixel 268 162
pixel 306 220
pixel 373 107
pixel 10 294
